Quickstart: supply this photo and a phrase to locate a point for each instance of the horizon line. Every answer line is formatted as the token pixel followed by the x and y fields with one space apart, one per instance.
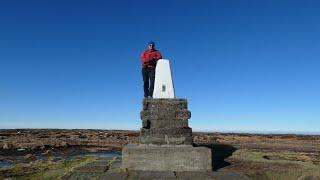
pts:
pixel 262 132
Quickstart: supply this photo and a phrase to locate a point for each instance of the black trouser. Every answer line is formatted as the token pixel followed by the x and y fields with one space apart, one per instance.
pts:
pixel 148 74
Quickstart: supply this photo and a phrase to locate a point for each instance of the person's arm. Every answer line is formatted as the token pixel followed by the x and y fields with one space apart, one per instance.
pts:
pixel 144 59
pixel 158 55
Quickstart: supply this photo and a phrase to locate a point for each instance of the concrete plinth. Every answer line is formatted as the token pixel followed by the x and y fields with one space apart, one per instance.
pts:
pixel 166 158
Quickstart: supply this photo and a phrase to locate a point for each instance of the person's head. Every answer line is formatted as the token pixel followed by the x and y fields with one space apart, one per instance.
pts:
pixel 151 45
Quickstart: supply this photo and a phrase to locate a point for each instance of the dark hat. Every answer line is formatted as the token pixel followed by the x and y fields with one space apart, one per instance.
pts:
pixel 151 43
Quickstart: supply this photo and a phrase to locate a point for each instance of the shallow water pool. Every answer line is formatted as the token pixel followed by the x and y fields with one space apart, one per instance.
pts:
pixel 98 154
pixel 5 164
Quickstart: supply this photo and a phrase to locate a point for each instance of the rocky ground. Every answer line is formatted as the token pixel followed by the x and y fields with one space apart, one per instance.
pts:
pixel 58 154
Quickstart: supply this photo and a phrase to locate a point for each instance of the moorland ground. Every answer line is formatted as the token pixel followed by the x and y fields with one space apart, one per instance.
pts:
pixel 52 153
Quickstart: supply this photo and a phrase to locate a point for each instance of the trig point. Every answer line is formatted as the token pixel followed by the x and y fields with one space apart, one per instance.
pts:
pixel 165 141
pixel 163 85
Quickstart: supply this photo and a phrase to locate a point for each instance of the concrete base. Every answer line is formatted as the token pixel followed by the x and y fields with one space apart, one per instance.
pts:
pixel 166 158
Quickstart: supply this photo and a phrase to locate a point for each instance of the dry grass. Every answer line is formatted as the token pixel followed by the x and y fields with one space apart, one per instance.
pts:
pixel 275 165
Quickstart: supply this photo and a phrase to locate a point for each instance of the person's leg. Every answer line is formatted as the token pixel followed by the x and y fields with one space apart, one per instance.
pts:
pixel 152 78
pixel 145 82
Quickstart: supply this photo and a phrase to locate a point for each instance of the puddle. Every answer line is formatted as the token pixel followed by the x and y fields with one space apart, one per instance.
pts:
pixel 98 154
pixel 5 164
pixel 104 154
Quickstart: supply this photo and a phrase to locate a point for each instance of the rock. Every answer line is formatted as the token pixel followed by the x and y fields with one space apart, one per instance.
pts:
pixel 64 144
pixel 159 175
pixel 194 175
pixel 30 157
pixel 82 136
pixel 42 147
pixel 6 146
pixel 46 152
pixel 79 175
pixel 114 176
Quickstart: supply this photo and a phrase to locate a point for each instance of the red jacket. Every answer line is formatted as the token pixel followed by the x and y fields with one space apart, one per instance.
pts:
pixel 150 57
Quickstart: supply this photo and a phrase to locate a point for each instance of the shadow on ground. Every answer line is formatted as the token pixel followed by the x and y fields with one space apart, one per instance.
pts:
pixel 219 152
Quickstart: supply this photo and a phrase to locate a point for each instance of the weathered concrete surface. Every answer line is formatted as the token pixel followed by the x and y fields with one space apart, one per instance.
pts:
pixel 209 175
pixel 159 175
pixel 166 136
pixel 166 158
pixel 109 169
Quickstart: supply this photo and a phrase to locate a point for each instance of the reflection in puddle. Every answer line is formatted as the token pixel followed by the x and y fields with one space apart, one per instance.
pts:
pixel 103 154
pixel 5 164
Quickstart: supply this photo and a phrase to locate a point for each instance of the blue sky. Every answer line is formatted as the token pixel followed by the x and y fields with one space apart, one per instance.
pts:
pixel 243 65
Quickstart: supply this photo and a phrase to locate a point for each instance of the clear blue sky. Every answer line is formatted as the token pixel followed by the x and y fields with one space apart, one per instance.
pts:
pixel 243 65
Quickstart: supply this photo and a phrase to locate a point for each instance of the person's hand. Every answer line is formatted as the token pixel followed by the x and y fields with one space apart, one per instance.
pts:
pixel 153 62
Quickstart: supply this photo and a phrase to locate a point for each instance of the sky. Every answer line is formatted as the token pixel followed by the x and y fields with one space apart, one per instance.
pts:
pixel 243 65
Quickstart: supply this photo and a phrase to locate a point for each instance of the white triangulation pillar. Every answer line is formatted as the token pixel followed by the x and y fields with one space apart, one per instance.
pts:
pixel 163 86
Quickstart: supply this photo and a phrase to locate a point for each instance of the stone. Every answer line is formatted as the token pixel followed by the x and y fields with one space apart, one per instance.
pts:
pixel 114 176
pixel 5 146
pixel 192 175
pixel 228 176
pixel 163 85
pixel 166 158
pixel 166 136
pixel 42 147
pixel 64 144
pixel 115 164
pixel 79 176
pixel 30 157
pixel 47 152
pixel 165 121
pixel 151 175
